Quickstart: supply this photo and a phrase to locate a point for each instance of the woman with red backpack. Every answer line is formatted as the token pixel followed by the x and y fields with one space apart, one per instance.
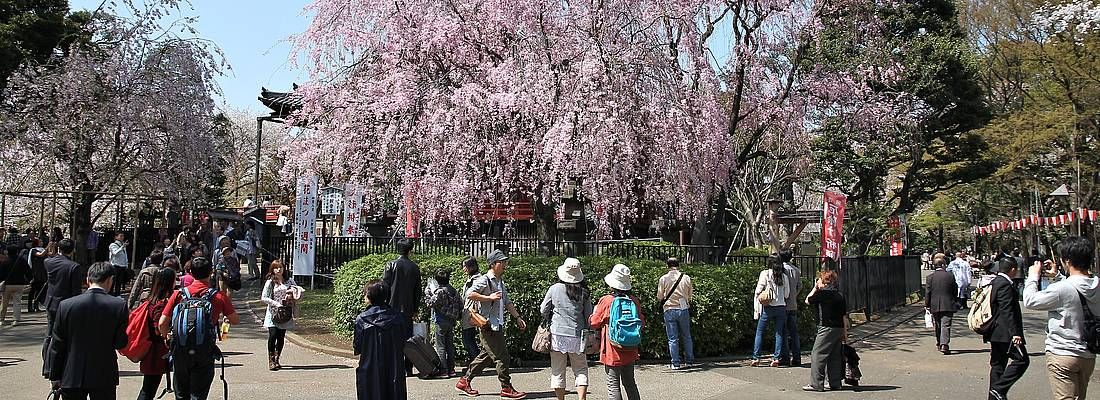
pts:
pixel 617 316
pixel 153 364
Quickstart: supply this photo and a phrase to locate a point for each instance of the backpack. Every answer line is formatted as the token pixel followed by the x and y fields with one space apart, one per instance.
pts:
pixel 193 325
pixel 138 331
pixel 448 303
pixel 1091 335
pixel 981 315
pixel 625 328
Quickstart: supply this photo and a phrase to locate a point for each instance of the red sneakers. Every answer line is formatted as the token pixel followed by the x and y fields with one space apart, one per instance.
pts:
pixel 463 386
pixel 511 393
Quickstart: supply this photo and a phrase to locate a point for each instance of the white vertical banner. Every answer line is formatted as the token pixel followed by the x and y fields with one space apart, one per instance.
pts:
pixel 305 226
pixel 353 199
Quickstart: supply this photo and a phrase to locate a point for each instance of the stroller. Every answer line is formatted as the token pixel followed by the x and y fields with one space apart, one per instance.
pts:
pixel 851 366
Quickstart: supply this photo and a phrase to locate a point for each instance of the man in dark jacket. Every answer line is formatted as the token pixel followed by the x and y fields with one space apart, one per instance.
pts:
pixel 402 277
pixel 89 328
pixel 379 339
pixel 940 300
pixel 1008 359
pixel 65 279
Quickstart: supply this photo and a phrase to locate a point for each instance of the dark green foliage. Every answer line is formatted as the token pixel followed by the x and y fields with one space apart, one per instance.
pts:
pixel 722 322
pixel 30 30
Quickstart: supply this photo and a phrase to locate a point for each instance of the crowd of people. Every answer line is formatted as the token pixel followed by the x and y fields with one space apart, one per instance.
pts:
pixel 1072 339
pixel 574 325
pixel 180 305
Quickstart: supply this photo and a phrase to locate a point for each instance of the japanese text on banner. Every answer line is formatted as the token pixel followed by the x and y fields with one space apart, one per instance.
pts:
pixel 305 222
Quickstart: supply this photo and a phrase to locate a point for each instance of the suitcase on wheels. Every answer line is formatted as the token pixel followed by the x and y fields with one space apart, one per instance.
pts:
pixel 422 356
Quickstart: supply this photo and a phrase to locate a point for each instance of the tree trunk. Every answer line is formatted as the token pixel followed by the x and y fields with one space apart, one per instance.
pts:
pixel 82 228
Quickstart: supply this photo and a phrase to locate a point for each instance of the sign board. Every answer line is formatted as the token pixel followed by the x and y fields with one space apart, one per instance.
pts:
pixel 832 225
pixel 305 226
pixel 353 208
pixel 332 201
pixel 897 234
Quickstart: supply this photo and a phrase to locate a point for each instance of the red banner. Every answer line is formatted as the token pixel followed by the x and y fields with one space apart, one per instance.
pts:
pixel 832 225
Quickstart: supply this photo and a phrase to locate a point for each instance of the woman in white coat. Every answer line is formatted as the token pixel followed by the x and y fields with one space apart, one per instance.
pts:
pixel 279 291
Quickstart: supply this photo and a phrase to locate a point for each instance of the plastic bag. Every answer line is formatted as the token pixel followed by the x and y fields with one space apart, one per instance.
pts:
pixel 927 319
pixel 420 329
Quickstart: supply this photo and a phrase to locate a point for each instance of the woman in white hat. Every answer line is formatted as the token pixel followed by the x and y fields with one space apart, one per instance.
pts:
pixel 619 338
pixel 567 306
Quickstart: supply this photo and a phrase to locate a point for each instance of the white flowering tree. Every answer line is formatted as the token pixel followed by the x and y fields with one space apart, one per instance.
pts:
pixel 129 111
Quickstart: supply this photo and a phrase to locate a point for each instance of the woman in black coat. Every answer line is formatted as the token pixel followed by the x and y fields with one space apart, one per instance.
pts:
pixel 380 336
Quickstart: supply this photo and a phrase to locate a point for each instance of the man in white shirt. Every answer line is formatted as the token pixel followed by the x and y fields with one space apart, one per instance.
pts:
pixel 675 289
pixel 121 261
pixel 962 271
pixel 1070 362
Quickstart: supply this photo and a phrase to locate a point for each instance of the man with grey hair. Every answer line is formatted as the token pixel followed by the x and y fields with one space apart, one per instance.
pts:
pixel 675 290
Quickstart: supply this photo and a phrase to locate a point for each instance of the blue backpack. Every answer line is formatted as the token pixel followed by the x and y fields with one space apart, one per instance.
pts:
pixel 625 327
pixel 193 327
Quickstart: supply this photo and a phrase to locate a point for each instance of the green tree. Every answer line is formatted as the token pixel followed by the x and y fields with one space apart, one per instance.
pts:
pixel 895 169
pixel 30 30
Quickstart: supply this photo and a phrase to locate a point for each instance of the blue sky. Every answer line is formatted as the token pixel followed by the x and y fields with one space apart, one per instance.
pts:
pixel 253 35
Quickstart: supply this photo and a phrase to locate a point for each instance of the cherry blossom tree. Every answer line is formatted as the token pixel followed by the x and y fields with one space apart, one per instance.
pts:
pixel 128 112
pixel 645 104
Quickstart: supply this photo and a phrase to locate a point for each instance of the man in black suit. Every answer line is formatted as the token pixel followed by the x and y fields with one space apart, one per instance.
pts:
pixel 65 279
pixel 402 276
pixel 941 300
pixel 1008 359
pixel 88 330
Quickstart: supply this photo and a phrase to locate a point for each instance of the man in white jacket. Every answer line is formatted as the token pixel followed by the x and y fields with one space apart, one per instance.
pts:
pixel 1069 361
pixel 963 273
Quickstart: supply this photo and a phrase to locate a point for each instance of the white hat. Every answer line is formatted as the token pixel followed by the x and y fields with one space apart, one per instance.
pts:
pixel 570 271
pixel 619 278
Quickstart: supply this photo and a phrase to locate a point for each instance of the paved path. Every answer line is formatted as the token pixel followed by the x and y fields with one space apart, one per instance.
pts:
pixel 898 363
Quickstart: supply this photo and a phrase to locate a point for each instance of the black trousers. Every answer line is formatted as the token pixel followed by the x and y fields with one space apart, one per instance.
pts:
pixel 92 394
pixel 1007 364
pixel 149 385
pixel 275 339
pixel 192 376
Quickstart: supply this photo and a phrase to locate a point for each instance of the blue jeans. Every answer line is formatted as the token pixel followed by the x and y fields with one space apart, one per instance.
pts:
pixel 445 343
pixel 470 342
pixel 779 315
pixel 792 348
pixel 678 328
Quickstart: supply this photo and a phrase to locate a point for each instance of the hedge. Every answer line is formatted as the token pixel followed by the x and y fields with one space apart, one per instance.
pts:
pixel 722 322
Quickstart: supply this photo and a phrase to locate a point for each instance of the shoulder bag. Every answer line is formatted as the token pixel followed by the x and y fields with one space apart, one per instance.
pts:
pixel 767 296
pixel 476 319
pixel 671 291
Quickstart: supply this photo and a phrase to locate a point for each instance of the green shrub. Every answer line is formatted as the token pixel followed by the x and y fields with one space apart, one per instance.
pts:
pixel 722 322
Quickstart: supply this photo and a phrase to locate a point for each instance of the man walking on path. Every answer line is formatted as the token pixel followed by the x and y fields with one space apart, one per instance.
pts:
pixel 792 348
pixel 192 361
pixel 940 301
pixel 675 289
pixel 962 271
pixel 121 261
pixel 493 295
pixel 1008 359
pixel 402 276
pixel 89 328
pixel 1069 360
pixel 65 279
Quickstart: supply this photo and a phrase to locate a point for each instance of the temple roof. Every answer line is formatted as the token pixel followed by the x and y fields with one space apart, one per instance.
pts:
pixel 282 104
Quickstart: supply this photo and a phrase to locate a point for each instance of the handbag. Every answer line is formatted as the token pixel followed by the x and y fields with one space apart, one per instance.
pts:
pixel 283 313
pixel 541 343
pixel 476 319
pixel 766 297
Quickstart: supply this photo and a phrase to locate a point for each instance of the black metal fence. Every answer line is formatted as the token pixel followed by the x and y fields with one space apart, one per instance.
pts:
pixel 870 284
